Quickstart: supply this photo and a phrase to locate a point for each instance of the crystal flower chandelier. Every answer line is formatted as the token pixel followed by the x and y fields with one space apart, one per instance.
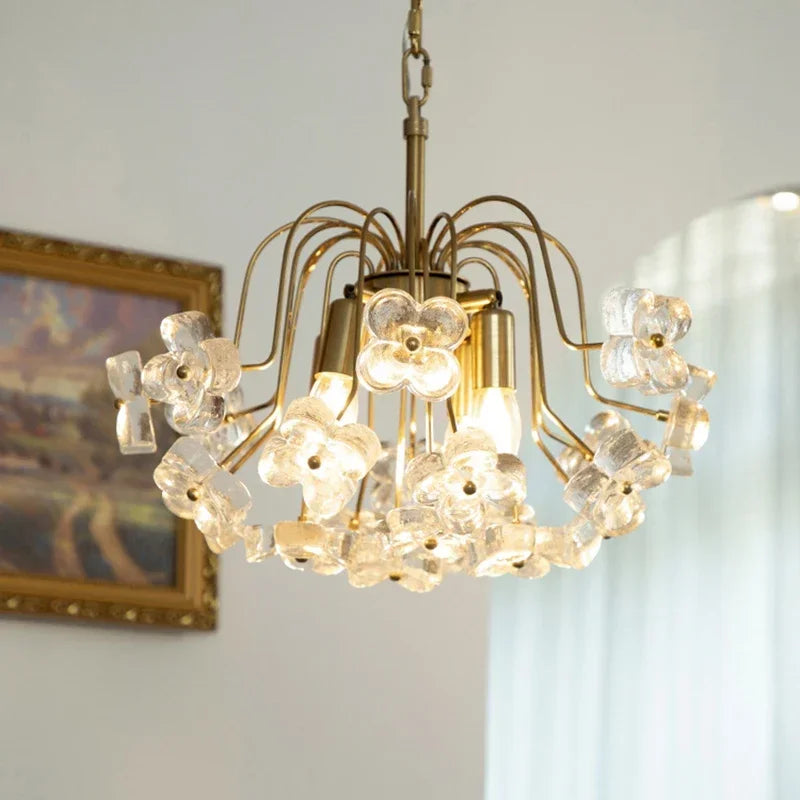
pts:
pixel 421 506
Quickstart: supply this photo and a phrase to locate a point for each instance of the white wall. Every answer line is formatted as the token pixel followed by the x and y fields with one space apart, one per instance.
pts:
pixel 192 128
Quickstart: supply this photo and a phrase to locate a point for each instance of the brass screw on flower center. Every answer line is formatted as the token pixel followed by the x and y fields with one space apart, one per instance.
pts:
pixel 657 340
pixel 395 576
pixel 412 344
pixel 627 488
pixel 182 372
pixel 469 488
pixel 315 462
pixel 518 564
pixel 193 494
pixel 301 560
pixel 430 544
pixel 118 404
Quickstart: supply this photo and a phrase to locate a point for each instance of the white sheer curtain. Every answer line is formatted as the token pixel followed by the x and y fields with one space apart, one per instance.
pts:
pixel 670 668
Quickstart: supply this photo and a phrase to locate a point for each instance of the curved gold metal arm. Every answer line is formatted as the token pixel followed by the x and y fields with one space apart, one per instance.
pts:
pixel 305 218
pixel 481 262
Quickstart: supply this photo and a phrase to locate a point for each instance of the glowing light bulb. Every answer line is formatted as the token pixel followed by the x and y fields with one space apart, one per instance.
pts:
pixel 496 411
pixel 333 389
pixel 785 201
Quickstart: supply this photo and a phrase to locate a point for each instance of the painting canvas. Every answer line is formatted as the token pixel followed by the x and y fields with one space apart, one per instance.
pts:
pixel 83 531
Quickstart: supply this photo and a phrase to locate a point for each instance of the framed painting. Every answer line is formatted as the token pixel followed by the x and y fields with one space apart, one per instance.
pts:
pixel 83 531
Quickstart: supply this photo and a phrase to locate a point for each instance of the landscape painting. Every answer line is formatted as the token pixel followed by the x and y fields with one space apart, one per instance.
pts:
pixel 83 530
pixel 70 505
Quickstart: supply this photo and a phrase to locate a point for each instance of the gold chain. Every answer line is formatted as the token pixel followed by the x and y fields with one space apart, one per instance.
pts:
pixel 417 51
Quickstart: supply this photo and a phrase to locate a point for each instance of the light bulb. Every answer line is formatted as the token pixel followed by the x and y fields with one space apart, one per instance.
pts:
pixel 496 411
pixel 333 389
pixel 785 201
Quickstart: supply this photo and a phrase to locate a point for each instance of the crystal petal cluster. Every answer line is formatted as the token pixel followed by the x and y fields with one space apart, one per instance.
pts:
pixel 325 457
pixel 643 327
pixel 193 486
pixel 411 344
pixel 135 431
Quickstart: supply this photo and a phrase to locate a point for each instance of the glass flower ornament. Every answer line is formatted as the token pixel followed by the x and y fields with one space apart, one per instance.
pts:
pixel 599 428
pixel 467 480
pixel 135 432
pixel 643 327
pixel 571 546
pixel 193 486
pixel 411 344
pixel 234 428
pixel 258 544
pixel 194 375
pixel 325 457
pixel 605 492
pixel 688 421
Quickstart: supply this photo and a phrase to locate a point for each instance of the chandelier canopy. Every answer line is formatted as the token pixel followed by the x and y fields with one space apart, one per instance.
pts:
pixel 448 492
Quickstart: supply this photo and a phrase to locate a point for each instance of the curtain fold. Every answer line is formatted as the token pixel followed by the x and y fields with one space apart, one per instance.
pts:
pixel 670 667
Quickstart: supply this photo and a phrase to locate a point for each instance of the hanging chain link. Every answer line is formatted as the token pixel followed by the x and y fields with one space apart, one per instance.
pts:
pixel 417 51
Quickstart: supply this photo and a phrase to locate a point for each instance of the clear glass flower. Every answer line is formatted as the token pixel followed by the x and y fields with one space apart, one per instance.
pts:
pixel 194 486
pixel 503 548
pixel 221 509
pixel 411 344
pixel 258 544
pixel 600 427
pixel 135 432
pixel 466 480
pixel 298 542
pixel 370 560
pixel 419 572
pixel 572 546
pixel 643 327
pixel 606 491
pixel 231 433
pixel 325 457
pixel 193 376
pixel 182 471
pixel 688 423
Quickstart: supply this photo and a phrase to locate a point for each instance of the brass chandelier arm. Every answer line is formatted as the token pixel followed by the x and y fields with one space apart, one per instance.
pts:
pixel 450 227
pixel 481 262
pixel 534 227
pixel 540 389
pixel 291 228
pixel 587 372
pixel 362 262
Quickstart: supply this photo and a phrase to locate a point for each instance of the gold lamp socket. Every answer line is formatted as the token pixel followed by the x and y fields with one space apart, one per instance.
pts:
pixel 492 344
pixel 336 348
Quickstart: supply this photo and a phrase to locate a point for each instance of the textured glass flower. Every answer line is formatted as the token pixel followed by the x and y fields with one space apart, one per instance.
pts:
pixel 600 427
pixel 369 560
pixel 503 548
pixel 231 432
pixel 411 344
pixel 466 480
pixel 418 572
pixel 194 374
pixel 325 457
pixel 299 541
pixel 572 546
pixel 135 432
pixel 420 528
pixel 258 544
pixel 643 327
pixel 194 486
pixel 606 491
pixel 687 426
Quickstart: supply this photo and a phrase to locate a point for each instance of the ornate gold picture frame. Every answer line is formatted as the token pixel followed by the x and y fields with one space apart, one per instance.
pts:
pixel 83 534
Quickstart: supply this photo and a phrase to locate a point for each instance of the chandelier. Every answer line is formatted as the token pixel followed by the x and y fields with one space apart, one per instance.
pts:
pixel 447 491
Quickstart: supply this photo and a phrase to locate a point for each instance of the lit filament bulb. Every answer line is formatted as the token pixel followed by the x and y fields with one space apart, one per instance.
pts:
pixel 333 389
pixel 496 411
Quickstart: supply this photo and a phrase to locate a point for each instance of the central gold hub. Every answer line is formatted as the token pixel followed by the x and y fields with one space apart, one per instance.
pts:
pixel 118 404
pixel 430 544
pixel 469 488
pixel 182 372
pixel 412 344
pixel 395 577
pixel 627 488
pixel 657 340
pixel 518 564
pixel 193 494
pixel 315 462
